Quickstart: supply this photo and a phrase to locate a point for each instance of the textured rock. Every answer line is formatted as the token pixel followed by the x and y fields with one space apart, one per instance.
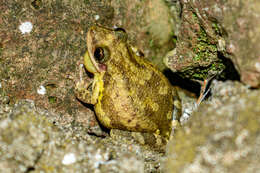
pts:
pixel 196 52
pixel 223 135
pixel 23 138
pixel 150 26
pixel 212 31
pixel 30 141
pixel 241 22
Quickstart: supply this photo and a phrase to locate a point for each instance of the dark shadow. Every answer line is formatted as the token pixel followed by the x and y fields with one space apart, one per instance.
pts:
pixel 230 72
pixel 30 169
pixel 186 84
pixel 90 75
pixel 91 107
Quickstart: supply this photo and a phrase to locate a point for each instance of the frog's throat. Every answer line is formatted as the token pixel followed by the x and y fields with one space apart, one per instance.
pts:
pixel 89 64
pixel 98 87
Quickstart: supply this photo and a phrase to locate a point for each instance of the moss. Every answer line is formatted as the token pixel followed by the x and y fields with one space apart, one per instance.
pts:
pixel 86 1
pixel 202 73
pixel 194 16
pixel 204 53
pixel 204 49
pixel 1 51
pixel 174 40
pixel 52 99
pixel 216 28
pixel 151 43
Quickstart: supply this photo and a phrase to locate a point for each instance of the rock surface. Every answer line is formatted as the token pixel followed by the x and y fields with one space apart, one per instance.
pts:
pixel 30 142
pixel 210 33
pixel 223 135
pixel 57 133
pixel 150 25
pixel 196 52
pixel 240 20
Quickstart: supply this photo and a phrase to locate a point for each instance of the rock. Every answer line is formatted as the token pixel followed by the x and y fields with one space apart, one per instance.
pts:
pixel 23 138
pixel 149 25
pixel 241 22
pixel 212 33
pixel 222 135
pixel 196 52
pixel 30 141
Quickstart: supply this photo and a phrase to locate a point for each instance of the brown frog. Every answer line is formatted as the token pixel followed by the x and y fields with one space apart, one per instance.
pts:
pixel 128 92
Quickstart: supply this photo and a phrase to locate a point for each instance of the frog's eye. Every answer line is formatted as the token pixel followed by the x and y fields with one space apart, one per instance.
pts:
pixel 101 54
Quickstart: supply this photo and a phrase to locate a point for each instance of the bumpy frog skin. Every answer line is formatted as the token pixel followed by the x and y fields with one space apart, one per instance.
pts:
pixel 128 93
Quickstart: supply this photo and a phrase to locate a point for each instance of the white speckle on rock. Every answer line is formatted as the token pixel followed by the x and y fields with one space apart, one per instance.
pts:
pixel 96 17
pixel 222 135
pixel 69 159
pixel 231 48
pixel 257 66
pixel 4 123
pixel 41 90
pixel 26 27
pixel 221 45
pixel 81 65
pixel 99 160
pixel 241 138
pixel 205 9
pixel 186 115
pixel 217 9
pixel 131 164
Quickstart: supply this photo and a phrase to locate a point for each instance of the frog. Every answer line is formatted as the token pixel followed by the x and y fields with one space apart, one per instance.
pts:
pixel 127 91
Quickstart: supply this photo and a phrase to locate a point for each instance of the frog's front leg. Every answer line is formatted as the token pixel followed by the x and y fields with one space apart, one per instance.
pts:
pixel 83 88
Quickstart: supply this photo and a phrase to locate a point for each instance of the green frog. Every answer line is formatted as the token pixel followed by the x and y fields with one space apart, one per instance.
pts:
pixel 127 91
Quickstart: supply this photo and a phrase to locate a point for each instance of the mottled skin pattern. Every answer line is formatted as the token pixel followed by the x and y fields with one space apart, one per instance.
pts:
pixel 130 93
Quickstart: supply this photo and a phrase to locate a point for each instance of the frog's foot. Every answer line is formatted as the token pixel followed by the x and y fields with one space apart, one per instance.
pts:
pixel 83 88
pixel 83 91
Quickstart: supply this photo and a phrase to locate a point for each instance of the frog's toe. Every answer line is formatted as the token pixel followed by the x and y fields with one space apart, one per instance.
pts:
pixel 83 91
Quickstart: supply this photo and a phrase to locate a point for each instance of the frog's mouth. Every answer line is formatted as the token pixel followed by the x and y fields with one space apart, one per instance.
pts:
pixel 91 65
pixel 95 56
